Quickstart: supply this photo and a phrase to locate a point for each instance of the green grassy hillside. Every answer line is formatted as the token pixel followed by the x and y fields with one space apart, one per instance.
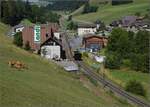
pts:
pixel 43 84
pixel 108 13
pixel 121 76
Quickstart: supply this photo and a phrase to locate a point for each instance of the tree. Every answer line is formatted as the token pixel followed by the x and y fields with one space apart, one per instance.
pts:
pixel 140 55
pixel 89 9
pixel 135 87
pixel 69 18
pixel 72 26
pixel 15 11
pixel 118 42
pixel 113 61
pixel 18 39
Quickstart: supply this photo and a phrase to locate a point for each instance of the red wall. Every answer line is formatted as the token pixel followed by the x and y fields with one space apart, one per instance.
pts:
pixel 28 34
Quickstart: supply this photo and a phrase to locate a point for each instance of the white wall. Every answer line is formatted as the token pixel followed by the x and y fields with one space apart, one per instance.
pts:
pixel 57 35
pixel 19 29
pixel 51 52
pixel 83 31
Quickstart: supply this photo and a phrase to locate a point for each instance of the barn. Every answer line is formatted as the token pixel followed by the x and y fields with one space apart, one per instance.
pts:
pixel 94 43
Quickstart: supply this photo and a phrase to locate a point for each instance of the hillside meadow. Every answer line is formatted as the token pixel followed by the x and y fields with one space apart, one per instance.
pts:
pixel 43 84
pixel 108 13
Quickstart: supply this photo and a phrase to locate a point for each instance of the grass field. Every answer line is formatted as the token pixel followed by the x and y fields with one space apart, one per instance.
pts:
pixel 122 76
pixel 43 84
pixel 108 13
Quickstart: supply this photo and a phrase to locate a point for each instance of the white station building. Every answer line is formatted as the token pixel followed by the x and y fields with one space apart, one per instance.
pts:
pixel 84 29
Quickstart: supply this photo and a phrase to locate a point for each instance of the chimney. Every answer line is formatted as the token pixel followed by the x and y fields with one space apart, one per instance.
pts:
pixel 52 33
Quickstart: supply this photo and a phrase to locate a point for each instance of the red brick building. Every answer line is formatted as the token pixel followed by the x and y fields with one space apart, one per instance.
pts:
pixel 38 34
pixel 94 42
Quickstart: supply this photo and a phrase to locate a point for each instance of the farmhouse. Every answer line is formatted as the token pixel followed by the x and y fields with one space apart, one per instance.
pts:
pixel 86 29
pixel 94 43
pixel 42 38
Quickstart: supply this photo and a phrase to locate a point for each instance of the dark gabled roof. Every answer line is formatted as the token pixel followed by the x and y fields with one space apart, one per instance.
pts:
pixel 91 36
pixel 52 39
pixel 86 25
pixel 128 20
pixel 141 23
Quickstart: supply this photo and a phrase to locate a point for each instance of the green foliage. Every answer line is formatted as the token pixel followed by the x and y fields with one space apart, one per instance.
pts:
pixel 93 81
pixel 135 87
pixel 118 2
pixel 130 47
pixel 43 83
pixel 18 39
pixel 119 42
pixel 140 54
pixel 69 18
pixel 85 54
pixel 65 5
pixel 138 14
pixel 113 61
pixel 117 48
pixel 72 26
pixel 15 11
pixel 89 9
pixel 27 46
pixel 108 13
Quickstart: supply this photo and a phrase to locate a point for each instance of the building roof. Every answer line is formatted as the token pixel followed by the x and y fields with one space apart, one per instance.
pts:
pixel 128 20
pixel 46 33
pixel 86 25
pixel 92 35
pixel 141 23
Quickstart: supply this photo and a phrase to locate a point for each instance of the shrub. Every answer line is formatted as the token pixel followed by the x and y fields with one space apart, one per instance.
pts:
pixel 85 54
pixel 72 26
pixel 89 9
pixel 135 87
pixel 113 61
pixel 18 39
pixel 118 2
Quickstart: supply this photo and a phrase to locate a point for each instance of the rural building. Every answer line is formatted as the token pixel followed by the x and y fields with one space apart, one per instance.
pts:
pixel 44 39
pixel 52 49
pixel 94 43
pixel 132 23
pixel 86 29
pixel 38 34
pixel 18 28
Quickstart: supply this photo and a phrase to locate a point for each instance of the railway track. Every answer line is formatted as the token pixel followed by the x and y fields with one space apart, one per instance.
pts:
pixel 107 83
pixel 114 88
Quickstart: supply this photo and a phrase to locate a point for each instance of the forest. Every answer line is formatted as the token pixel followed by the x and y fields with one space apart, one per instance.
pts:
pixel 128 49
pixel 12 12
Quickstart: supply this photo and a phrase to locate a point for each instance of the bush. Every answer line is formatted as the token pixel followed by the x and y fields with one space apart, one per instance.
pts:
pixel 89 9
pixel 118 2
pixel 85 54
pixel 18 39
pixel 113 61
pixel 135 87
pixel 72 26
